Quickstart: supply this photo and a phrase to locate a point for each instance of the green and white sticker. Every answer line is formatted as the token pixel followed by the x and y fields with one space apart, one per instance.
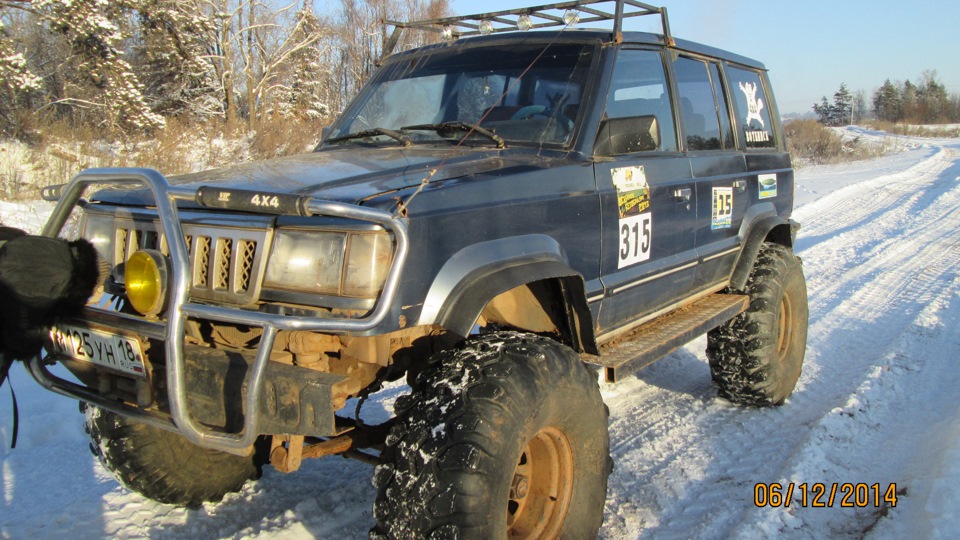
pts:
pixel 767 184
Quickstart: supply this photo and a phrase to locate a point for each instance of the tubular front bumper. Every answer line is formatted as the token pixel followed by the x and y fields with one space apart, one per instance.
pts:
pixel 179 307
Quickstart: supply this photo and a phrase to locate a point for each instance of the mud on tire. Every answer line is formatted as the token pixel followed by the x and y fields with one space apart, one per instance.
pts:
pixel 505 433
pixel 756 358
pixel 162 465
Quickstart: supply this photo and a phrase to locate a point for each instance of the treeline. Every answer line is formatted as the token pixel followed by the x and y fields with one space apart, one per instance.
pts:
pixel 926 102
pixel 126 67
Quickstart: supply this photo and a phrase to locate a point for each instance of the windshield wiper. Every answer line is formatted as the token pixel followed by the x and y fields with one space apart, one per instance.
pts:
pixel 373 132
pixel 459 126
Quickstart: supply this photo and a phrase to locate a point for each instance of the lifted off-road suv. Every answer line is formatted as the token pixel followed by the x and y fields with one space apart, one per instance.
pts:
pixel 490 217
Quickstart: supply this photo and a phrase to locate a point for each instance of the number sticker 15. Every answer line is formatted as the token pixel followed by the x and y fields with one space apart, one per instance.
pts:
pixel 635 237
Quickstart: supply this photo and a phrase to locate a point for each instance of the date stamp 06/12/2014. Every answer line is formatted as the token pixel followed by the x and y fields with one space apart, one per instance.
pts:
pixel 824 495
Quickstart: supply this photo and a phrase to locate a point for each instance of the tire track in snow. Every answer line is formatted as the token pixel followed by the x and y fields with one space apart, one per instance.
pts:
pixel 707 454
pixel 906 412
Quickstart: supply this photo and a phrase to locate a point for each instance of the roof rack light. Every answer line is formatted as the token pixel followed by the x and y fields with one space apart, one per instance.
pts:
pixel 545 16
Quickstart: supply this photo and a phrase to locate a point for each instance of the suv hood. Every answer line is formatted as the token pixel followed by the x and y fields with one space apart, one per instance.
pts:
pixel 349 174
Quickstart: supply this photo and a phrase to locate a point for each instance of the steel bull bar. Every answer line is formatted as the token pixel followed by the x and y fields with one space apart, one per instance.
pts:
pixel 179 307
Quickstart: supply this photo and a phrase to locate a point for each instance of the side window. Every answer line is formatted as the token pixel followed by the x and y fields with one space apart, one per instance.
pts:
pixel 638 116
pixel 698 106
pixel 750 104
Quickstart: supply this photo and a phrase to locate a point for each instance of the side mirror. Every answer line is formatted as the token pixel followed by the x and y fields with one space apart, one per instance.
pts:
pixel 627 135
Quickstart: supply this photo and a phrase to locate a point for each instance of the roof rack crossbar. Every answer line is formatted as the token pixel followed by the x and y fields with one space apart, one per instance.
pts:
pixel 469 25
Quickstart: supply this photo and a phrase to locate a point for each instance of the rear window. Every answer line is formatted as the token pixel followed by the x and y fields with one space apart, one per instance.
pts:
pixel 751 104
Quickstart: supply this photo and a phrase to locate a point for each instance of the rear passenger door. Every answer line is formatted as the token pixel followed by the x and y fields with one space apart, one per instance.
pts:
pixel 647 196
pixel 716 164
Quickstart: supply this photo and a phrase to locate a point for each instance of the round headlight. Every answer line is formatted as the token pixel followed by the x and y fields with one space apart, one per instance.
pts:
pixel 145 276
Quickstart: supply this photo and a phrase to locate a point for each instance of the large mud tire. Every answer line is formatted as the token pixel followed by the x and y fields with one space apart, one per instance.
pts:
pixel 502 437
pixel 162 465
pixel 756 358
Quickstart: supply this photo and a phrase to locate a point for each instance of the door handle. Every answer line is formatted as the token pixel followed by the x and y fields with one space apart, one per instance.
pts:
pixel 740 185
pixel 682 194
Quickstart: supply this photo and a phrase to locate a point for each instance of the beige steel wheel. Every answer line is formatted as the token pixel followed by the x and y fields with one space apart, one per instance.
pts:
pixel 541 487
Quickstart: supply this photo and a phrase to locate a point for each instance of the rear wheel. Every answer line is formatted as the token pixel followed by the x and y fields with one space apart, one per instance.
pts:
pixel 162 465
pixel 503 437
pixel 756 357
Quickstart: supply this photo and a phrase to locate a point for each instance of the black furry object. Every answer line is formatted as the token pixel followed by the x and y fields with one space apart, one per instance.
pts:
pixel 41 279
pixel 9 233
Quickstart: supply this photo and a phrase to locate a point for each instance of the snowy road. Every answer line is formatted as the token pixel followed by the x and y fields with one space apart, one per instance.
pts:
pixel 878 403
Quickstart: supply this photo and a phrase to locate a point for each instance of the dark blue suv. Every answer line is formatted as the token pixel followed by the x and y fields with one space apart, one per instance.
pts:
pixel 491 217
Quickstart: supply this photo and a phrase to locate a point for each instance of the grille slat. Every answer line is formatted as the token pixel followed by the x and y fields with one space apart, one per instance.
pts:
pixel 201 263
pixel 246 252
pixel 222 264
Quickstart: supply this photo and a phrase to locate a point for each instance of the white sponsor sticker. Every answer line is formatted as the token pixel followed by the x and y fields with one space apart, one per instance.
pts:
pixel 636 235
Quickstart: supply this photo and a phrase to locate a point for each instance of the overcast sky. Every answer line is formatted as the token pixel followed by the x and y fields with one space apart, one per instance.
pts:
pixel 810 47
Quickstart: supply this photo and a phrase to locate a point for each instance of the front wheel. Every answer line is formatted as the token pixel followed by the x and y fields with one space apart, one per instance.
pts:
pixel 756 357
pixel 503 437
pixel 162 465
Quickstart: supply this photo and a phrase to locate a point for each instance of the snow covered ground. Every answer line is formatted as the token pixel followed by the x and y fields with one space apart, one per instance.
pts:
pixel 878 403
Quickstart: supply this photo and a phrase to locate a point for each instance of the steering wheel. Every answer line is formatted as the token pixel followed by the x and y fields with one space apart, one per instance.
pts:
pixel 529 112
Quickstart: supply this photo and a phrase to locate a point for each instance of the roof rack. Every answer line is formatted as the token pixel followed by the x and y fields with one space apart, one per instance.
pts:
pixel 528 18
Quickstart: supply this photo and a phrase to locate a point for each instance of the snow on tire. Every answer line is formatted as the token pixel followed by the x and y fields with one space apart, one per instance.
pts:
pixel 162 465
pixel 756 357
pixel 505 435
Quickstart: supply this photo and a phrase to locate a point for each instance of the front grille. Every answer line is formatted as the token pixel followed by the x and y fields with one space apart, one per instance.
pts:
pixel 226 263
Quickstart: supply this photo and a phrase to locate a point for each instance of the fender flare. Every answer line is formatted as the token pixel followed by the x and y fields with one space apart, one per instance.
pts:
pixel 478 273
pixel 768 226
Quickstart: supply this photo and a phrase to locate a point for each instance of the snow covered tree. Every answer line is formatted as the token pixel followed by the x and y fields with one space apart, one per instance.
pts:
pixel 91 27
pixel 17 82
pixel 172 58
pixel 301 95
pixel 95 75
pixel 837 113
pixel 842 106
pixel 824 111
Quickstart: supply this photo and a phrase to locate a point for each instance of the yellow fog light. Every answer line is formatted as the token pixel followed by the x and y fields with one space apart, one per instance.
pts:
pixel 145 276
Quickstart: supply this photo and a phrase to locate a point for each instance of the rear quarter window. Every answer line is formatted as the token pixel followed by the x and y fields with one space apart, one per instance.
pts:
pixel 751 104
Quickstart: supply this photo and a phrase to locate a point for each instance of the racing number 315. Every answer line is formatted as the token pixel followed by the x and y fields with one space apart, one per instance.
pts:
pixel 635 237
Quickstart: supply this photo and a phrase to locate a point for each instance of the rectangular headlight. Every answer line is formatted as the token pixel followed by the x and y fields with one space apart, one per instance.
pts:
pixel 369 257
pixel 309 261
pixel 100 231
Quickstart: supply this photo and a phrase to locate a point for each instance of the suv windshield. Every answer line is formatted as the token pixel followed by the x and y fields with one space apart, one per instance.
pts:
pixel 513 91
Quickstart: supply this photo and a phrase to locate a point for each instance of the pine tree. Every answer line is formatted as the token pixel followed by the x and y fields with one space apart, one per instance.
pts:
pixel 908 101
pixel 824 111
pixel 886 102
pixel 172 60
pixel 933 102
pixel 842 107
pixel 91 27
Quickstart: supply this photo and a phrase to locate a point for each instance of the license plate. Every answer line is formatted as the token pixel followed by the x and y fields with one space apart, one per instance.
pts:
pixel 105 349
